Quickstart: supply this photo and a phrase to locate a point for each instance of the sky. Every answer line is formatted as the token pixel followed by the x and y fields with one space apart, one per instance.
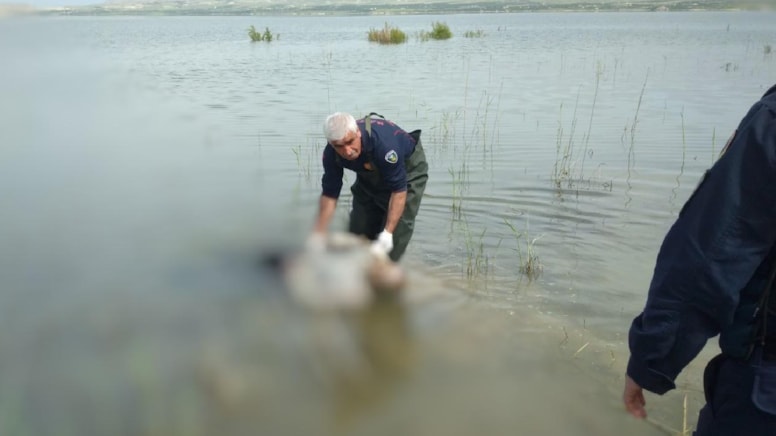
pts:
pixel 54 3
pixel 50 3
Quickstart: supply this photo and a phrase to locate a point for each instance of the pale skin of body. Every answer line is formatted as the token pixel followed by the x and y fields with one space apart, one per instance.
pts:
pixel 349 147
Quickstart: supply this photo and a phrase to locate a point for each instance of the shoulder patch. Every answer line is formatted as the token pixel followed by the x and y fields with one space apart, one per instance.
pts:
pixel 391 157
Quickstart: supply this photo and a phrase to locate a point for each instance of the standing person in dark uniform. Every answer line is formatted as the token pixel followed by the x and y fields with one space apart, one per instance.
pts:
pixel 715 275
pixel 391 174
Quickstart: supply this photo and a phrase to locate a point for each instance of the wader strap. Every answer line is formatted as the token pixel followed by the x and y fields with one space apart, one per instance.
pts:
pixel 763 308
pixel 368 123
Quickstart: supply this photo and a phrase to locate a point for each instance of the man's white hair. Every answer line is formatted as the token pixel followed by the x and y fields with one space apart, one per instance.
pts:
pixel 337 125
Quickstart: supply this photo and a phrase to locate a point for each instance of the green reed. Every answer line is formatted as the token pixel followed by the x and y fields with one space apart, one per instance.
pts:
pixel 387 35
pixel 586 150
pixel 444 131
pixel 528 260
pixel 460 184
pixel 482 123
pixel 439 31
pixel 267 35
pixel 477 261
pixel 478 33
pixel 564 154
pixel 632 146
pixel 305 157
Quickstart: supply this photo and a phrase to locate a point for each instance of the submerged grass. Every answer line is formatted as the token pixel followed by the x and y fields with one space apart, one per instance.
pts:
pixel 478 33
pixel 477 262
pixel 528 260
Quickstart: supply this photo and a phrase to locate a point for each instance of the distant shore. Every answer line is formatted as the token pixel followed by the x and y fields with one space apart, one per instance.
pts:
pixel 230 7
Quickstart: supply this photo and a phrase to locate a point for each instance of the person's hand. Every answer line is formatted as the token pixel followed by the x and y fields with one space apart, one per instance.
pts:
pixel 633 397
pixel 383 244
pixel 316 242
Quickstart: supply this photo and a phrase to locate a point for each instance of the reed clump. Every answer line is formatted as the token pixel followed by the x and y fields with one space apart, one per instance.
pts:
pixel 255 35
pixel 439 31
pixel 478 33
pixel 528 260
pixel 387 35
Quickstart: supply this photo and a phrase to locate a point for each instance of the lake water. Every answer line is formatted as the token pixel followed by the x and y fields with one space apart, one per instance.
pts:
pixel 148 165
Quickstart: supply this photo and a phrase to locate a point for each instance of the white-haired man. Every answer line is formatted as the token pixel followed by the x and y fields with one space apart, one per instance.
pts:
pixel 391 174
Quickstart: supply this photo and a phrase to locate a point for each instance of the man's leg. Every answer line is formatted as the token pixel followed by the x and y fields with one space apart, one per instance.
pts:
pixel 729 410
pixel 417 176
pixel 366 217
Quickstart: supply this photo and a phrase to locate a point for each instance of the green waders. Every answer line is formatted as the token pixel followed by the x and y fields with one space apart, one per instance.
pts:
pixel 370 206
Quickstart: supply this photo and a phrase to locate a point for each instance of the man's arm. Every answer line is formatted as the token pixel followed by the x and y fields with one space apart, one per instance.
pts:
pixel 395 210
pixel 720 238
pixel 326 208
pixel 384 242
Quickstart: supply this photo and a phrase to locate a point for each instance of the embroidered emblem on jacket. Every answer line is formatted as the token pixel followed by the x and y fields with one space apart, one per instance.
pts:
pixel 391 157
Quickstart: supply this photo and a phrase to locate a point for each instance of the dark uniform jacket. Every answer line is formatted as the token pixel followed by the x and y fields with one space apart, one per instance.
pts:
pixel 715 261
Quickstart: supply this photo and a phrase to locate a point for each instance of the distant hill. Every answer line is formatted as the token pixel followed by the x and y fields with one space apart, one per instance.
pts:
pixel 377 7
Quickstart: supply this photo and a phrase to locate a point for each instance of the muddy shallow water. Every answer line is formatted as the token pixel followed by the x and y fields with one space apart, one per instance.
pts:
pixel 149 165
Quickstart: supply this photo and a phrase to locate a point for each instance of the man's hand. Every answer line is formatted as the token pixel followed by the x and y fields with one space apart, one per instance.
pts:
pixel 633 397
pixel 383 244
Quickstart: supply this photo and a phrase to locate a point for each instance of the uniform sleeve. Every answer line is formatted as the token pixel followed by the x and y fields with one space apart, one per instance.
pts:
pixel 390 154
pixel 331 182
pixel 721 236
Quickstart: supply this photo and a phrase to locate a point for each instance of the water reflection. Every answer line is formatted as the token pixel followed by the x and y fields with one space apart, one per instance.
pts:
pixel 365 372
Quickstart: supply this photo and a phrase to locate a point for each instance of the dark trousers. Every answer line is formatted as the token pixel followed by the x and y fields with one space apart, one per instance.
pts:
pixel 370 206
pixel 729 385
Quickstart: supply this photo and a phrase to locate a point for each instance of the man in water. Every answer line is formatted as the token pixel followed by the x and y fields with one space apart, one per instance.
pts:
pixel 391 174
pixel 715 275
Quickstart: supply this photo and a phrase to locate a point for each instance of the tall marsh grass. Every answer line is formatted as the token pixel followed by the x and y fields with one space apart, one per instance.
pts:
pixel 439 31
pixel 528 260
pixel 477 261
pixel 387 35
pixel 255 35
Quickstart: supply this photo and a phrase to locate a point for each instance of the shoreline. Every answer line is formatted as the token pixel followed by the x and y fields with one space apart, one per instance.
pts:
pixel 231 8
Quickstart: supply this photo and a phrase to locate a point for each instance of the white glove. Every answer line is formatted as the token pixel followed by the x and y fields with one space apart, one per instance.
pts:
pixel 316 242
pixel 383 244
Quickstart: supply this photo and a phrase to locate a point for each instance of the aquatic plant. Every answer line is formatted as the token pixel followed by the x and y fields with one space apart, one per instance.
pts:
pixel 439 30
pixel 460 185
pixel 767 49
pixel 267 34
pixel 387 35
pixel 528 260
pixel 729 66
pixel 564 154
pixel 255 35
pixel 479 33
pixel 307 157
pixel 477 262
